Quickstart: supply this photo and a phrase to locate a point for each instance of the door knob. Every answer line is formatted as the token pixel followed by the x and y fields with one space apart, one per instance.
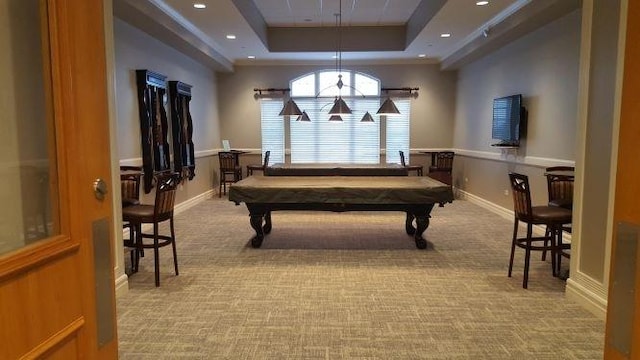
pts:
pixel 100 189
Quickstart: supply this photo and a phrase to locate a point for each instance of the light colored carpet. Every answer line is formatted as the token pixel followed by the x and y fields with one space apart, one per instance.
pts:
pixel 349 286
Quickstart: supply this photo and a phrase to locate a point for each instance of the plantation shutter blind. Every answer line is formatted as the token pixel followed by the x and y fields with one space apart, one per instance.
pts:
pixel 398 132
pixel 272 130
pixel 324 141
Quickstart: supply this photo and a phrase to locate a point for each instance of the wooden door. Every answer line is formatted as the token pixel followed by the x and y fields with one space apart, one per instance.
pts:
pixel 623 308
pixel 56 274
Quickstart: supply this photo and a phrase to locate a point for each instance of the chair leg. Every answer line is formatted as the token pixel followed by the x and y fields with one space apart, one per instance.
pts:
pixel 547 232
pixel 513 245
pixel 173 244
pixel 527 257
pixel 559 250
pixel 139 250
pixel 156 253
pixel 554 251
pixel 220 186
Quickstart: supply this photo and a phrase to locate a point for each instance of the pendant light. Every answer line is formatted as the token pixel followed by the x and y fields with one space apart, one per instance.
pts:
pixel 304 117
pixel 339 107
pixel 290 109
pixel 367 117
pixel 388 108
pixel 335 117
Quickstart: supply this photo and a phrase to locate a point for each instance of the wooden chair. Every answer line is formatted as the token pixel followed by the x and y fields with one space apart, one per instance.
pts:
pixel 552 216
pixel 255 167
pixel 441 166
pixel 130 189
pixel 161 210
pixel 130 184
pixel 230 171
pixel 416 168
pixel 560 192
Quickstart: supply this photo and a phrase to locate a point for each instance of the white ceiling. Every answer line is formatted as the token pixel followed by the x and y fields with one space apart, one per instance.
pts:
pixel 460 18
pixel 303 31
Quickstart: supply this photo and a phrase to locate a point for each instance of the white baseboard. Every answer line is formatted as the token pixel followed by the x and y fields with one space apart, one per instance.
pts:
pixel 122 285
pixel 590 294
pixel 494 208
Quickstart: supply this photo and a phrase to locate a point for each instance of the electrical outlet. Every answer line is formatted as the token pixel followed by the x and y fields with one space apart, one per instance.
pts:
pixel 506 193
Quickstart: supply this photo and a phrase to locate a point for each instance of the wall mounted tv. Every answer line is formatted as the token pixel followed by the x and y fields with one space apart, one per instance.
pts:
pixel 508 120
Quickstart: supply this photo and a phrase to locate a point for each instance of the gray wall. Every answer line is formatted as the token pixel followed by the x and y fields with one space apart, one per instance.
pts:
pixel 134 50
pixel 543 67
pixel 432 113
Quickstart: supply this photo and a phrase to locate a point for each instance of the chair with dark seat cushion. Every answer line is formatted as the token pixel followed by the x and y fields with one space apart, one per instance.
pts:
pixel 130 184
pixel 255 167
pixel 441 166
pixel 160 211
pixel 130 178
pixel 416 168
pixel 552 216
pixel 560 192
pixel 230 171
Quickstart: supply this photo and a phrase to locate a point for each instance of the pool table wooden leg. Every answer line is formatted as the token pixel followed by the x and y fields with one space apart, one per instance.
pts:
pixel 422 215
pixel 408 224
pixel 422 223
pixel 267 222
pixel 256 224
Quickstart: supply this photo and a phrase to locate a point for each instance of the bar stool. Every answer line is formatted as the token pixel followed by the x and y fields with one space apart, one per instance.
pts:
pixel 230 170
pixel 416 168
pixel 441 166
pixel 552 216
pixel 161 210
pixel 254 167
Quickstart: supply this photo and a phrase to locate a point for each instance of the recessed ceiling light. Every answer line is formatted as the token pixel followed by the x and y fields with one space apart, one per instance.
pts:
pixel 445 35
pixel 482 3
pixel 251 57
pixel 422 55
pixel 199 6
pixel 231 37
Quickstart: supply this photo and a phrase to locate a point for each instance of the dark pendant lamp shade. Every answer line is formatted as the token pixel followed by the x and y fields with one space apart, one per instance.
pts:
pixel 290 108
pixel 388 108
pixel 335 118
pixel 339 107
pixel 304 117
pixel 367 117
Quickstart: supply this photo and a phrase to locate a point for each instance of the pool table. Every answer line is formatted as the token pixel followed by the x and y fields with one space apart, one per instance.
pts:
pixel 416 196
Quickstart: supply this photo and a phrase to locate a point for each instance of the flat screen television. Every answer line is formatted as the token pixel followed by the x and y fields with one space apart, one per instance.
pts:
pixel 508 118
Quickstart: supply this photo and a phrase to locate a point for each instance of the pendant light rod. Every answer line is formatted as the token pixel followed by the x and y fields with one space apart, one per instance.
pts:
pixel 409 89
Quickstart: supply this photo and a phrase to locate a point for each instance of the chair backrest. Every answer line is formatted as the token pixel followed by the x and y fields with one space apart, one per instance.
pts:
pixel 265 163
pixel 521 196
pixel 402 160
pixel 560 187
pixel 130 182
pixel 166 185
pixel 227 161
pixel 444 160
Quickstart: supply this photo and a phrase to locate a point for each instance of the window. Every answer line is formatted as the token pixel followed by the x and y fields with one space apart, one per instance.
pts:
pixel 324 141
pixel 398 132
pixel 272 129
